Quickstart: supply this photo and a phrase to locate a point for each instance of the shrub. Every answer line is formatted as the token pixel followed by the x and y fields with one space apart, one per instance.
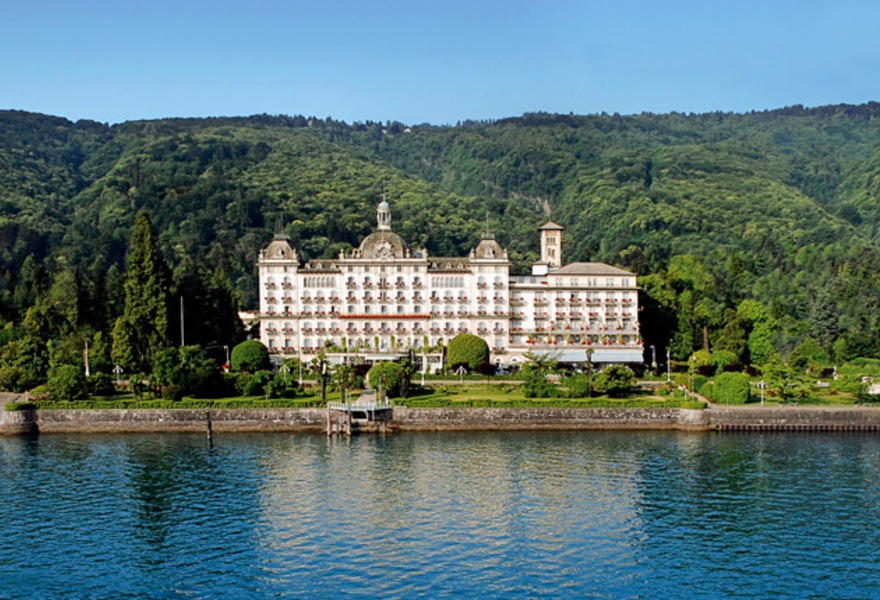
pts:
pixel 535 384
pixel 172 393
pixel 259 384
pixel 17 379
pixel 704 365
pixel 578 386
pixel 468 349
pixel 615 380
pixel 725 360
pixel 250 356
pixel 730 388
pixel 390 374
pixel 68 383
pixel 101 384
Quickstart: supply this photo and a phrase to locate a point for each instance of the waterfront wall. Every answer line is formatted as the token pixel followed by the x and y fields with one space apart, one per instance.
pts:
pixel 152 420
pixel 434 419
pixel 438 419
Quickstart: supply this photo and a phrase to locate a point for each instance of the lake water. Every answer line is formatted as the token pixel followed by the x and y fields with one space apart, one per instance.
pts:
pixel 488 515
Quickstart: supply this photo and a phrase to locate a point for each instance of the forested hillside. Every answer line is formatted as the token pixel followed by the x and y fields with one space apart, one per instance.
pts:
pixel 752 232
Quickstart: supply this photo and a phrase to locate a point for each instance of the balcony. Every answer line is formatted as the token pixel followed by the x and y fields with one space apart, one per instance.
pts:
pixel 516 301
pixel 270 286
pixel 540 302
pixel 417 285
pixel 435 299
pixel 498 286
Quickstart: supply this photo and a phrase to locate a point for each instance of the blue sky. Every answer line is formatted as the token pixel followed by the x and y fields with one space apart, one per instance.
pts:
pixel 436 62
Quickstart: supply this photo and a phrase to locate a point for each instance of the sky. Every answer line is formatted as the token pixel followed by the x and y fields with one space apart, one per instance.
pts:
pixel 432 62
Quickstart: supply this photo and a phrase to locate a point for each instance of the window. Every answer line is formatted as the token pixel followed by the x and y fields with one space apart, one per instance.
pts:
pixel 609 282
pixel 400 310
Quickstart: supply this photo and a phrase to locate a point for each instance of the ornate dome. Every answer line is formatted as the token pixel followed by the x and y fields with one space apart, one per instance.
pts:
pixel 383 244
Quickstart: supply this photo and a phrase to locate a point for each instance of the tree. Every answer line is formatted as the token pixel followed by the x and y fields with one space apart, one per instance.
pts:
pixel 615 380
pixel 345 379
pixel 731 388
pixel 323 372
pixel 143 327
pixel 824 321
pixel 388 376
pixel 68 383
pixel 467 349
pixel 250 356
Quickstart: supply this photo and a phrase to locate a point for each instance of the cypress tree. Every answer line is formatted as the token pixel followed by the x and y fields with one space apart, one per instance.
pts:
pixel 142 330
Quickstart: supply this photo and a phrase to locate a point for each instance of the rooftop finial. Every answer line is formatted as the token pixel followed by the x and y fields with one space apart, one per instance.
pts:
pixel 384 213
pixel 279 227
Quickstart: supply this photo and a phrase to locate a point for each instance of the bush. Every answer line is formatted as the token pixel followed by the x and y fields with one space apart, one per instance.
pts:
pixel 101 384
pixel 172 393
pixel 468 349
pixel 391 376
pixel 730 388
pixel 704 365
pixel 615 380
pixel 250 356
pixel 725 360
pixel 578 386
pixel 535 384
pixel 68 383
pixel 17 379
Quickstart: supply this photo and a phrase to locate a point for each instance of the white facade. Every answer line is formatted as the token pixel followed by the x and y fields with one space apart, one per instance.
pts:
pixel 383 300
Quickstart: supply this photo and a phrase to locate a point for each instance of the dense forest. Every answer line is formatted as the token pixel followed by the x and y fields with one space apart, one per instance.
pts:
pixel 752 233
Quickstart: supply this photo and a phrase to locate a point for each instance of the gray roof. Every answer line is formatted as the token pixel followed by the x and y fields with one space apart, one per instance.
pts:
pixel 599 356
pixel 589 268
pixel 551 225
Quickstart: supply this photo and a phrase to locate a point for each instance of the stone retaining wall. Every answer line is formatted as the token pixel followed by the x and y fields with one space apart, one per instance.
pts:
pixel 430 419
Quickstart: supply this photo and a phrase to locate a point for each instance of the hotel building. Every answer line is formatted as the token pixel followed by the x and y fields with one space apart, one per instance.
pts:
pixel 385 300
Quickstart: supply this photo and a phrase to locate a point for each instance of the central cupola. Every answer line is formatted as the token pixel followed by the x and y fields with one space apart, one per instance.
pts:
pixel 384 216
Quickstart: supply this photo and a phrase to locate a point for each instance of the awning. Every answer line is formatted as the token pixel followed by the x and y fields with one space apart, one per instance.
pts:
pixel 599 356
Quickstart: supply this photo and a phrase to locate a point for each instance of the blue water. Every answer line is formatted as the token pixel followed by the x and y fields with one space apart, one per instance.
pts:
pixel 478 515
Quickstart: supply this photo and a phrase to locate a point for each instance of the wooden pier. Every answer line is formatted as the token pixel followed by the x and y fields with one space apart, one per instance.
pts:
pixel 367 413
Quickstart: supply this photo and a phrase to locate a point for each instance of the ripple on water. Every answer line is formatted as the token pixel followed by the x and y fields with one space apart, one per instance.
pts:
pixel 494 515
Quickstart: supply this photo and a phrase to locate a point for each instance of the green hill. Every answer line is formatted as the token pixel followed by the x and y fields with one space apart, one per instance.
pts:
pixel 789 195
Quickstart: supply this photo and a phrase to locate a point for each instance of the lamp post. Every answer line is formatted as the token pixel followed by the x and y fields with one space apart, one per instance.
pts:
pixel 761 385
pixel 668 361
pixel 653 357
pixel 227 356
pixel 118 371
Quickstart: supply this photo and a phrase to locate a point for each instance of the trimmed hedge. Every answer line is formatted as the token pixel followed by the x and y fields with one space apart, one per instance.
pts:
pixel 466 348
pixel 161 404
pixel 545 403
pixel 730 388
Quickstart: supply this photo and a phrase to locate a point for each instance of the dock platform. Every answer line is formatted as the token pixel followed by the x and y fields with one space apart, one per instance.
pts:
pixel 367 413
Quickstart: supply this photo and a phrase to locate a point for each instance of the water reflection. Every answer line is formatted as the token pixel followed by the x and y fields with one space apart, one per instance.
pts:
pixel 607 514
